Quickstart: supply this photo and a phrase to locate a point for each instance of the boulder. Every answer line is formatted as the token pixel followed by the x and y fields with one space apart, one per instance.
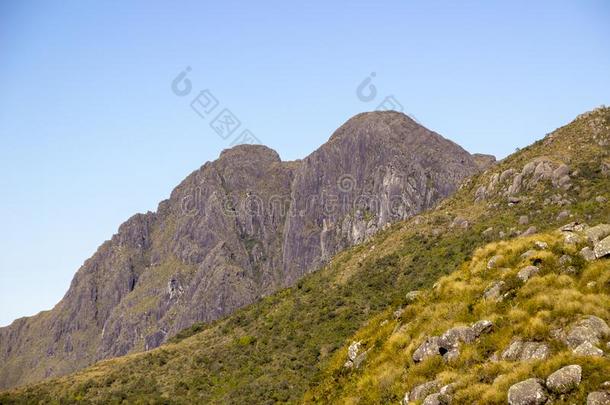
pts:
pixel 541 245
pixel 589 329
pixel 493 262
pixel 423 390
pixel 523 351
pixel 528 392
pixel 602 248
pixel 494 291
pixel 427 349
pixel 432 399
pixel 597 233
pixel 588 254
pixel 524 220
pixel 588 349
pixel 483 326
pixel 565 379
pixel 528 254
pixel 598 398
pixel 530 231
pixel 527 272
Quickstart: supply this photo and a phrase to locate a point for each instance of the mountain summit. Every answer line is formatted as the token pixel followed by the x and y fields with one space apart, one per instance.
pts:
pixel 233 231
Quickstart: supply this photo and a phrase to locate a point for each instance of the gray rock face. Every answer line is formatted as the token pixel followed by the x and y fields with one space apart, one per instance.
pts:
pixel 565 379
pixel 528 392
pixel 235 230
pixel 382 167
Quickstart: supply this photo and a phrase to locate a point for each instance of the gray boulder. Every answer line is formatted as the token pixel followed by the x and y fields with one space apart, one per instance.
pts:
pixel 598 398
pixel 523 351
pixel 427 349
pixel 565 379
pixel 589 329
pixel 494 291
pixel 588 254
pixel 588 349
pixel 602 248
pixel 483 326
pixel 527 272
pixel 412 296
pixel 493 262
pixel 597 233
pixel 423 390
pixel 528 392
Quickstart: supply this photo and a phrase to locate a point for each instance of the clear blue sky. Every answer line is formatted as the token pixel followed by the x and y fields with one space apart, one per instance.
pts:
pixel 91 132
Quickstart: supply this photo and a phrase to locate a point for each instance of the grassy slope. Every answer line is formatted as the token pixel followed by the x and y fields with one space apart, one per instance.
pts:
pixel 546 302
pixel 277 349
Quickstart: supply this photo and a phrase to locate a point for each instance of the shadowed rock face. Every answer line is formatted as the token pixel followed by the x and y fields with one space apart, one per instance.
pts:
pixel 235 230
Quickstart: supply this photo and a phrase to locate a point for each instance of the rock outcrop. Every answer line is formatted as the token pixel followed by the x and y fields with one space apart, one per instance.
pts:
pixel 235 230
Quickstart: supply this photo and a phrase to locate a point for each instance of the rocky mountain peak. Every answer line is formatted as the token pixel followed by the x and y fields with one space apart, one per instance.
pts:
pixel 236 229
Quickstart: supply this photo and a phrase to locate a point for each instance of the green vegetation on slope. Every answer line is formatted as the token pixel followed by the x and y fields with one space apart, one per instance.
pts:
pixel 276 349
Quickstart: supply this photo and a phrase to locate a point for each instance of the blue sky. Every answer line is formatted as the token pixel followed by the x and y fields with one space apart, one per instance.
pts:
pixel 91 132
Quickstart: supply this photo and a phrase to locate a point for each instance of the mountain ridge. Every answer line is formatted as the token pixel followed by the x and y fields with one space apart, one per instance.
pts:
pixel 233 231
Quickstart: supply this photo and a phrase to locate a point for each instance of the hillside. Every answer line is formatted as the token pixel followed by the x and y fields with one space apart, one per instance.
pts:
pixel 521 309
pixel 297 339
pixel 235 230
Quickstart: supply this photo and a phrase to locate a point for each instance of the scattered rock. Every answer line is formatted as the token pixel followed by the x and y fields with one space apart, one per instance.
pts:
pixel 423 390
pixel 487 232
pixel 506 174
pixel 588 254
pixel 494 291
pixel 601 199
pixel 563 215
pixel 527 272
pixel 597 233
pixel 530 231
pixel 588 349
pixel 565 260
pixel 493 262
pixel 524 220
pixel 460 223
pixel 432 399
pixel 398 313
pixel 412 296
pixel 541 245
pixel 528 392
pixel 427 349
pixel 354 359
pixel 523 351
pixel 589 329
pixel 483 326
pixel 602 248
pixel 565 379
pixel 528 254
pixel 598 398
